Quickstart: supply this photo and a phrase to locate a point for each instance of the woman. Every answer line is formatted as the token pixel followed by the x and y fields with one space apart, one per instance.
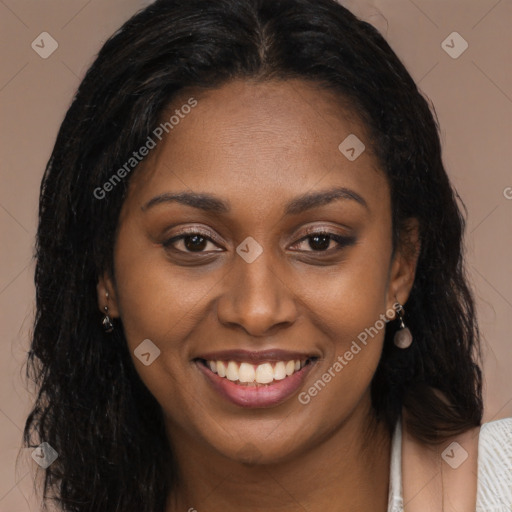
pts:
pixel 250 275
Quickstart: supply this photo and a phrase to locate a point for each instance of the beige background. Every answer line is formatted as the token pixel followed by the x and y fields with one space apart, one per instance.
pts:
pixel 472 96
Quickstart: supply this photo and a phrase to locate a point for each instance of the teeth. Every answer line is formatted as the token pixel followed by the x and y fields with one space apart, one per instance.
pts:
pixel 279 371
pixel 248 373
pixel 264 373
pixel 232 371
pixel 221 369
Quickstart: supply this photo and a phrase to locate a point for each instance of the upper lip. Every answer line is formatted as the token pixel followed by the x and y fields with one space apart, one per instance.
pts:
pixel 269 355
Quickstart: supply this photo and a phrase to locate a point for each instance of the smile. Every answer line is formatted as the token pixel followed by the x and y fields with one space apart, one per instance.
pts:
pixel 253 380
pixel 248 374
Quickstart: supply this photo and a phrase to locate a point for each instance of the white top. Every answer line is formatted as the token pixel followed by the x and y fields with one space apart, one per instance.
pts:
pixel 494 488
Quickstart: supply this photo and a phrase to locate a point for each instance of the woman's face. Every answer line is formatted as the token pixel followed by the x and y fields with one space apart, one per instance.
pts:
pixel 263 168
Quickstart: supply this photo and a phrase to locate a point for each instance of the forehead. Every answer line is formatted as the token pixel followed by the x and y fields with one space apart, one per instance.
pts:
pixel 255 143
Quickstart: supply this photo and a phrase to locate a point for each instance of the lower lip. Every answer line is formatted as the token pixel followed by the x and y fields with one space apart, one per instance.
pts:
pixel 268 395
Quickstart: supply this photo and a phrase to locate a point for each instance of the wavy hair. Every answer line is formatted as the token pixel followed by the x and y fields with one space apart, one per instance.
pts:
pixel 91 405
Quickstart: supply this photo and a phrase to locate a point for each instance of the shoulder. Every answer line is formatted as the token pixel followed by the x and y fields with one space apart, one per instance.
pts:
pixel 495 466
pixel 495 445
pixel 497 429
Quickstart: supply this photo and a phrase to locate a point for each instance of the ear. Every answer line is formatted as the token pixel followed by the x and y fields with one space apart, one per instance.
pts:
pixel 106 286
pixel 403 265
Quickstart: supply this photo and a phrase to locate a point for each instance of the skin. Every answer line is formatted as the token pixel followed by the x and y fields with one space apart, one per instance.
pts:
pixel 258 146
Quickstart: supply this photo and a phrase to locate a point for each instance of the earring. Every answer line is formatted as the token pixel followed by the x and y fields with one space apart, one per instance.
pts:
pixel 403 336
pixel 108 326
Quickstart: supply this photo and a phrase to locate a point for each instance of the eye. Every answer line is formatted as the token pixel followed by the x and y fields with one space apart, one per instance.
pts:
pixel 195 241
pixel 190 241
pixel 320 241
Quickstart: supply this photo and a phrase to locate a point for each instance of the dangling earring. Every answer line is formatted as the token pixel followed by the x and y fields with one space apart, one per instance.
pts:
pixel 108 326
pixel 403 336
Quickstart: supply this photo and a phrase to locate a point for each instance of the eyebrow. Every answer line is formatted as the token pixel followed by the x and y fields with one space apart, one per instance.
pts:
pixel 213 204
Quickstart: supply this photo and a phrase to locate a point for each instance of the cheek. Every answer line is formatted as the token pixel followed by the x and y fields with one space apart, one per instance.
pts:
pixel 349 306
pixel 164 304
pixel 156 300
pixel 353 296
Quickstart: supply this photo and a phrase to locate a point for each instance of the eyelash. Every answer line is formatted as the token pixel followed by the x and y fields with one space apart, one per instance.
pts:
pixel 342 241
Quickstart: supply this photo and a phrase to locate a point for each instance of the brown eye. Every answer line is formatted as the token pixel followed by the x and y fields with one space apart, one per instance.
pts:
pixel 190 242
pixel 195 242
pixel 320 241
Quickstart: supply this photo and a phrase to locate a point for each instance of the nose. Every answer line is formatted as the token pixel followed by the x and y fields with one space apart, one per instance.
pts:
pixel 256 298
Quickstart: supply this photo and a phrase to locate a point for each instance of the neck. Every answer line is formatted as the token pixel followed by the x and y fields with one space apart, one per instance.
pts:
pixel 348 467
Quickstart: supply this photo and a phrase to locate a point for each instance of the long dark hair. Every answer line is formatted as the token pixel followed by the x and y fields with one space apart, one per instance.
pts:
pixel 92 407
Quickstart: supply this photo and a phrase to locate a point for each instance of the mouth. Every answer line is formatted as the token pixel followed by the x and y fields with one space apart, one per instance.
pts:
pixel 249 374
pixel 250 383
